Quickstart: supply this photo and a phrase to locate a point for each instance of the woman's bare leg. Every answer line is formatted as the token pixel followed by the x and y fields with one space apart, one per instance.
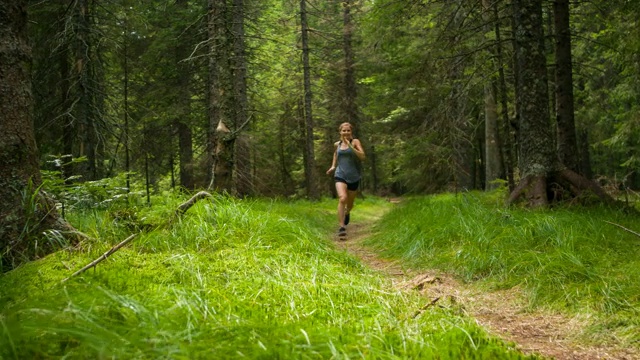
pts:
pixel 341 189
pixel 351 198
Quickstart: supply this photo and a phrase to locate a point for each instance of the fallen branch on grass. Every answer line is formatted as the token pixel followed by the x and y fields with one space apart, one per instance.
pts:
pixel 624 228
pixel 179 212
pixel 422 309
pixel 102 257
pixel 189 203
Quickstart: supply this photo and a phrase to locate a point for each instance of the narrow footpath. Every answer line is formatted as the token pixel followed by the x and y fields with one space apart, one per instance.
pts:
pixel 500 312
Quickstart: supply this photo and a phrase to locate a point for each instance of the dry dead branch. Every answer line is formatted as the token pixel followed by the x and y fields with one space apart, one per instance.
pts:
pixel 179 212
pixel 189 203
pixel 623 228
pixel 419 282
pixel 422 309
pixel 102 257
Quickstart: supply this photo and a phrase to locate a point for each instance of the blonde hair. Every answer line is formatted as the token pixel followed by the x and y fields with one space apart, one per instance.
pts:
pixel 345 124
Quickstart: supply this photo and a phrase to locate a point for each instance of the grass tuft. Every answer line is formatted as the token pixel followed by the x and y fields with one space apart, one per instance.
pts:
pixel 569 258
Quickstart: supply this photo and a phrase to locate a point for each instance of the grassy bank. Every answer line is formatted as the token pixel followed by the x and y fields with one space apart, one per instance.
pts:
pixel 231 279
pixel 565 259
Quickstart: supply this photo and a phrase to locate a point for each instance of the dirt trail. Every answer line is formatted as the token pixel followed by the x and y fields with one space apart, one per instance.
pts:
pixel 500 312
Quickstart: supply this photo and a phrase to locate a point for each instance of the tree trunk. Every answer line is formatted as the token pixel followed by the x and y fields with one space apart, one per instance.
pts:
pixel 536 154
pixel 68 126
pixel 125 86
pixel 493 155
pixel 464 160
pixel 243 176
pixel 536 150
pixel 213 89
pixel 461 130
pixel 567 142
pixel 584 156
pixel 219 146
pixel 24 213
pixel 242 150
pixel 183 103
pixel 535 158
pixel 309 157
pixel 185 148
pixel 224 162
pixel 84 92
pixel 507 128
pixel 543 177
pixel 283 133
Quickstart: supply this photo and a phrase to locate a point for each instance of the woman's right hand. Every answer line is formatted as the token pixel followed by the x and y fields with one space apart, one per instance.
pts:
pixel 331 169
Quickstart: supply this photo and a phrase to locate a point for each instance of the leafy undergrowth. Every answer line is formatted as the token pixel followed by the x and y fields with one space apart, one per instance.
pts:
pixel 567 259
pixel 231 279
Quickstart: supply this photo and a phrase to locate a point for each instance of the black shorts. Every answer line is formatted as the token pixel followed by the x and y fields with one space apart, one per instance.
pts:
pixel 350 186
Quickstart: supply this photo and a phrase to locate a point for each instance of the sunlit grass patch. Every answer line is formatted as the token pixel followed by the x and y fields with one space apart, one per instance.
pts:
pixel 229 279
pixel 566 258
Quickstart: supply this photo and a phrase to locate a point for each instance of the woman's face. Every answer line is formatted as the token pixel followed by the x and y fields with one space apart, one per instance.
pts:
pixel 345 132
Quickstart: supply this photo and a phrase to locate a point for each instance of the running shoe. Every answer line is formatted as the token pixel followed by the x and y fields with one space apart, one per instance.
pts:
pixel 342 232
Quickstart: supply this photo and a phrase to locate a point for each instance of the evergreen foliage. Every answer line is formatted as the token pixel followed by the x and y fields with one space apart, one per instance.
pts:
pixel 122 104
pixel 421 70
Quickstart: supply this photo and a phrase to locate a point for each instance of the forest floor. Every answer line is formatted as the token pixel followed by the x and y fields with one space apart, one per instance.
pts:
pixel 501 313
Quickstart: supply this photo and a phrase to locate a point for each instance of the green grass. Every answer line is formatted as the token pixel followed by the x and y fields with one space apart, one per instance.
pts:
pixel 254 279
pixel 568 258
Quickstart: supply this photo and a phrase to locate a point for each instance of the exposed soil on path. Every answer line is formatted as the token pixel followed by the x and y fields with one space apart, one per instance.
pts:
pixel 500 312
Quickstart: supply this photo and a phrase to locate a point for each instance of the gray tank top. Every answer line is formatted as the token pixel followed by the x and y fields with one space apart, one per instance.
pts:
pixel 348 165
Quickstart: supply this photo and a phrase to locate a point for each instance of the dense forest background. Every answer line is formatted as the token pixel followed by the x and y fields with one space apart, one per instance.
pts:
pixel 138 103
pixel 246 96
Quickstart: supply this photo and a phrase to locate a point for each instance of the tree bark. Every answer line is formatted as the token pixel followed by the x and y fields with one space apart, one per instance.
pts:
pixel 185 150
pixel 462 132
pixel 125 88
pixel 213 89
pixel 181 122
pixel 507 141
pixel 536 153
pixel 24 212
pixel 18 161
pixel 220 147
pixel 584 155
pixel 544 177
pixel 224 159
pixel 283 133
pixel 493 156
pixel 242 151
pixel 567 140
pixel 84 92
